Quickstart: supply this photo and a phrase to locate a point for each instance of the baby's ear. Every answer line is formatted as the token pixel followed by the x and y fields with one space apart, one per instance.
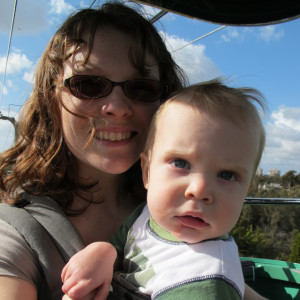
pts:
pixel 145 162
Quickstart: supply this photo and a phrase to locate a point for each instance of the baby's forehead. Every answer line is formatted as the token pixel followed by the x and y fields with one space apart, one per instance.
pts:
pixel 176 106
pixel 178 110
pixel 227 110
pixel 182 109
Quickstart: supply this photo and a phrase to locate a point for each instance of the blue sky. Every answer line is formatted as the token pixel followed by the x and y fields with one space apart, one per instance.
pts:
pixel 264 57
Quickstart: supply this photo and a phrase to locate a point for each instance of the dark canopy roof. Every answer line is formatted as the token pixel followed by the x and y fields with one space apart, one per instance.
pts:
pixel 233 12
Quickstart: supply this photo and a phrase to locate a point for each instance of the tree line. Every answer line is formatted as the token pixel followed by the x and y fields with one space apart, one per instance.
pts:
pixel 271 231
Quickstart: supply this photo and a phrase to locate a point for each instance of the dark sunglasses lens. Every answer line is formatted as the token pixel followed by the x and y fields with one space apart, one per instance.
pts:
pixel 89 87
pixel 144 90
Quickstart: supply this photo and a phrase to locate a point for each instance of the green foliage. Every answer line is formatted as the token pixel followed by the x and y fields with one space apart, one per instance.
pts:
pixel 252 242
pixel 295 253
pixel 271 231
pixel 288 179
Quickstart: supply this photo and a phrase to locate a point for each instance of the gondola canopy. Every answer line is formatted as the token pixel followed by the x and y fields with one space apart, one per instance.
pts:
pixel 232 12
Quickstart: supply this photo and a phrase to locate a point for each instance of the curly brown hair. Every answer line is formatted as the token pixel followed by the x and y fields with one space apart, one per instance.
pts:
pixel 40 162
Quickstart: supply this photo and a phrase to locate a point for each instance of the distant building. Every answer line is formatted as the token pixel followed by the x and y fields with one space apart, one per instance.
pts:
pixel 268 186
pixel 275 186
pixel 259 172
pixel 273 172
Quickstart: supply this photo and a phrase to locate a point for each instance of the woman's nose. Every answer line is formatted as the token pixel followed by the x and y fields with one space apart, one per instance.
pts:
pixel 116 104
pixel 199 188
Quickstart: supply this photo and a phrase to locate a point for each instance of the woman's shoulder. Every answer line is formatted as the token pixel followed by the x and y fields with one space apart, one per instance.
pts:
pixel 16 257
pixel 34 240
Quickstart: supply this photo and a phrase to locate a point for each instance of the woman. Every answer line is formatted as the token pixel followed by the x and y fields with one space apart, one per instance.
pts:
pixel 80 135
pixel 98 83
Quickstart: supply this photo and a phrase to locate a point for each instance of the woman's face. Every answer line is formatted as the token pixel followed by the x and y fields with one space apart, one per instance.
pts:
pixel 120 123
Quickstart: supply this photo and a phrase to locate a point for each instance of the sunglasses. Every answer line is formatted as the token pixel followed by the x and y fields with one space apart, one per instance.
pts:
pixel 95 87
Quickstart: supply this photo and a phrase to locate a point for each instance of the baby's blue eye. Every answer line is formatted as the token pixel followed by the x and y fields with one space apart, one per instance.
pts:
pixel 180 163
pixel 227 175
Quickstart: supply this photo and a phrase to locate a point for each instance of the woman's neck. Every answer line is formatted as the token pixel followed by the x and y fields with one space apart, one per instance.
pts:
pixel 106 213
pixel 103 190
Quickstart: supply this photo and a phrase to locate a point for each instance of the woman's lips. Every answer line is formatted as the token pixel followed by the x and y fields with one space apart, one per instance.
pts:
pixel 193 222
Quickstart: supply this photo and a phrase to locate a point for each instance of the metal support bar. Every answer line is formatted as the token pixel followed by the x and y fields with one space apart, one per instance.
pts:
pixel 272 201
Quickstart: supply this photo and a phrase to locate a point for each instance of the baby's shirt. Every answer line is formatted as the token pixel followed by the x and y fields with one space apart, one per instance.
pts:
pixel 168 269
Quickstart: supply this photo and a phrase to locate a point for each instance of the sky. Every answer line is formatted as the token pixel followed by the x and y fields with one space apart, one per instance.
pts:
pixel 263 57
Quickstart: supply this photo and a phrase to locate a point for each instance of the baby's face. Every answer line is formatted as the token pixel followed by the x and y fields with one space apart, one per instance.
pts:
pixel 199 173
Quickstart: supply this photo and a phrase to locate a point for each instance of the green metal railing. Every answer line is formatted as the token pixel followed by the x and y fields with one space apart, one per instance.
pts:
pixel 273 279
pixel 272 201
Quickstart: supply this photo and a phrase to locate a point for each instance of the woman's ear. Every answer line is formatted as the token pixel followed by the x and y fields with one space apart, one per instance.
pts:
pixel 145 162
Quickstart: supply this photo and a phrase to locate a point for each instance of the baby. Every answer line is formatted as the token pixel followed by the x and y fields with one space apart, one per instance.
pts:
pixel 201 155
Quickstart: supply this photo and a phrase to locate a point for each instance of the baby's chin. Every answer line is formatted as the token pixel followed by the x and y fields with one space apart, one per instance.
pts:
pixel 188 238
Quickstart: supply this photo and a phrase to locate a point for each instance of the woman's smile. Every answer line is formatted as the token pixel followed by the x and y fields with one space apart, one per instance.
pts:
pixel 115 132
pixel 113 136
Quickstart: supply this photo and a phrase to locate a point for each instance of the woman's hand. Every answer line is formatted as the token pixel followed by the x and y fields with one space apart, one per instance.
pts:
pixel 89 272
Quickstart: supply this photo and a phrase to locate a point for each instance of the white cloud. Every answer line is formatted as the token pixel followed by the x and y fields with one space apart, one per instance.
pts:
pixel 60 7
pixel 9 84
pixel 265 33
pixel 16 63
pixel 287 117
pixel 283 140
pixel 192 59
pixel 231 33
pixel 5 91
pixel 271 33
pixel 29 76
pixel 30 17
pixel 83 4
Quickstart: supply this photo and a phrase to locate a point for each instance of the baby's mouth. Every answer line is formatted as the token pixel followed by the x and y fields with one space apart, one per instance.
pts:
pixel 193 222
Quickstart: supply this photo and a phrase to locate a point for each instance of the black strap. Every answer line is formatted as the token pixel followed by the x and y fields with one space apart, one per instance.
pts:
pixel 124 290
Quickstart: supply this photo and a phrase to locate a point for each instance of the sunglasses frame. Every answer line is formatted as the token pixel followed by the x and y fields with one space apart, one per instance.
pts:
pixel 67 83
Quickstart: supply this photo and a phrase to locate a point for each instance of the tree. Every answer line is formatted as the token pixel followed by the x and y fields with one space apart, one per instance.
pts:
pixel 252 242
pixel 295 253
pixel 289 179
pixel 13 121
pixel 269 231
pixel 297 179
